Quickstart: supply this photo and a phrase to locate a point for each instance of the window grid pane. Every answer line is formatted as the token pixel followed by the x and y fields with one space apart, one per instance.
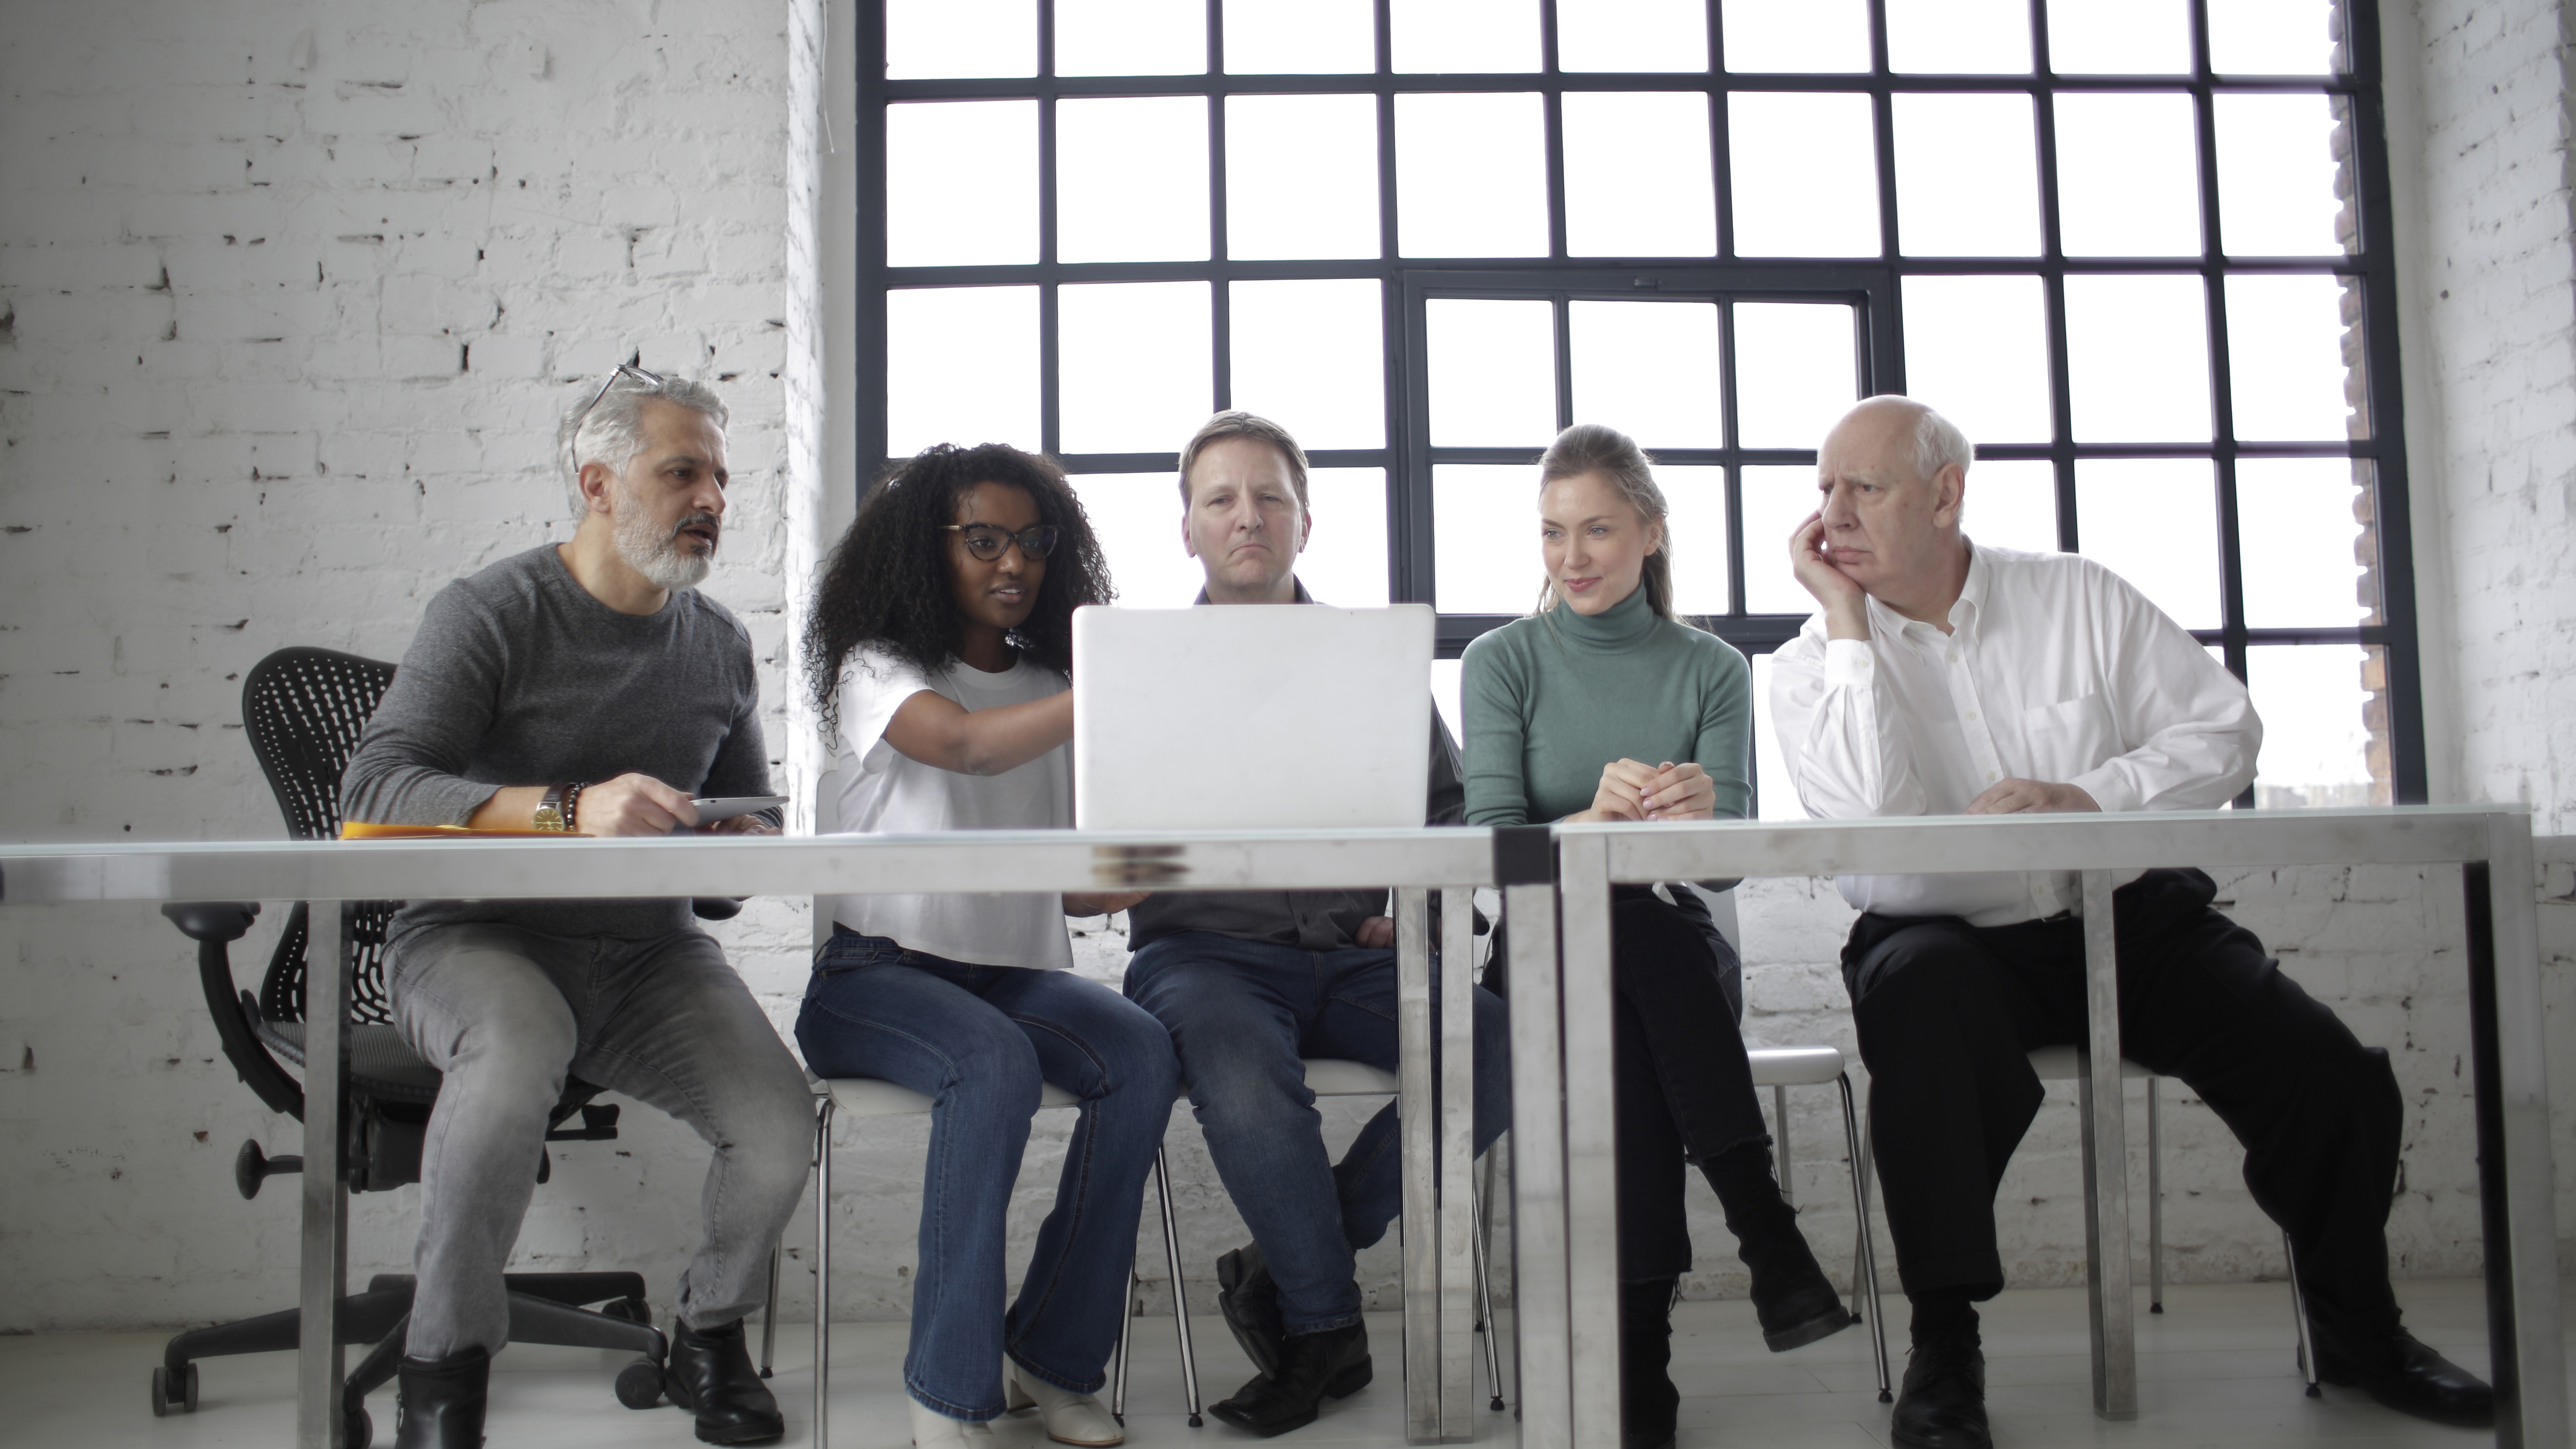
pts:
pixel 2243 387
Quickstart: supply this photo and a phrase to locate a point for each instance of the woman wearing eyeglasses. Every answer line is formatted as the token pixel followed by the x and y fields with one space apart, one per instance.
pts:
pixel 1602 705
pixel 939 649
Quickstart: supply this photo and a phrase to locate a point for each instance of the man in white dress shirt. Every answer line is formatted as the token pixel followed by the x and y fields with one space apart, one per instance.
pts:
pixel 1940 677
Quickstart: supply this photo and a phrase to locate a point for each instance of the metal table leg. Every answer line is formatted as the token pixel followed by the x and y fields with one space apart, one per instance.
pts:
pixel 1591 1141
pixel 2106 1166
pixel 1541 1326
pixel 319 1360
pixel 1420 1129
pixel 2514 1171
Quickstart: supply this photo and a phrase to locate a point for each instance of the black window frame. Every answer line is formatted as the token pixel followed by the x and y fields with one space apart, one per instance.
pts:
pixel 1875 281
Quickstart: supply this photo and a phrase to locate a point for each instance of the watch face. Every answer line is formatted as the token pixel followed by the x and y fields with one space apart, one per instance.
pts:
pixel 550 817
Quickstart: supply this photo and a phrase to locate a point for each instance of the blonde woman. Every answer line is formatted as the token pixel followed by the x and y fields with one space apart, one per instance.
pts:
pixel 1603 706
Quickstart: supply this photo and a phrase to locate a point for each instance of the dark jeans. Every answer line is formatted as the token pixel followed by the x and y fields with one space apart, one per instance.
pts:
pixel 1948 1011
pixel 981 1041
pixel 1242 1015
pixel 1683 1087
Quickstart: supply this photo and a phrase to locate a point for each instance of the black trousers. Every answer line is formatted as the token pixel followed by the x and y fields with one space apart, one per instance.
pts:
pixel 1683 1089
pixel 1947 1012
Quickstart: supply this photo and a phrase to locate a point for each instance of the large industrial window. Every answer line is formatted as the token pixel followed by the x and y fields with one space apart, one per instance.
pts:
pixel 2139 251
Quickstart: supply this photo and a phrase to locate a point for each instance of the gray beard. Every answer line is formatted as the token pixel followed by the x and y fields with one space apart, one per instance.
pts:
pixel 658 556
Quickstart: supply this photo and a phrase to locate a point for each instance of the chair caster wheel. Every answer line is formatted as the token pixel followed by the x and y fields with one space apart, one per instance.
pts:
pixel 1195 1422
pixel 1885 1397
pixel 632 1310
pixel 1495 1404
pixel 639 1384
pixel 362 1430
pixel 174 1393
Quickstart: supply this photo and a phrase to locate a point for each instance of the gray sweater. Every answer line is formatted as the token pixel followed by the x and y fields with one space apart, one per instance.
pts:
pixel 519 677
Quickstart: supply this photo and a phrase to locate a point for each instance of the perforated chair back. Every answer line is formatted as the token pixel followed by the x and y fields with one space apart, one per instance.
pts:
pixel 304 710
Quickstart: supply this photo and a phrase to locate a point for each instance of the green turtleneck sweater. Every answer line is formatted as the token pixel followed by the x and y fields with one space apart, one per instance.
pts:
pixel 1552 698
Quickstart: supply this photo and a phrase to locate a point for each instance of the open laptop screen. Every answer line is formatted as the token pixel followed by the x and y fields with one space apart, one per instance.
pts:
pixel 1250 716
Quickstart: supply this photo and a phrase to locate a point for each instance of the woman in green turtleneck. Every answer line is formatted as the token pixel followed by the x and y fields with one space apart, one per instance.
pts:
pixel 1603 706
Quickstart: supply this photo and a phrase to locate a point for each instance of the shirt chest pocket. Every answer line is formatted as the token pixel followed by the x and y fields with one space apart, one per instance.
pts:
pixel 2070 737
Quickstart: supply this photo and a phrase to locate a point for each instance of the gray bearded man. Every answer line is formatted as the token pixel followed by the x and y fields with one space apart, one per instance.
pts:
pixel 585 687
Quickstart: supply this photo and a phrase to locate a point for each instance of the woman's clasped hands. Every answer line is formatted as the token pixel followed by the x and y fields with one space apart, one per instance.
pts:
pixel 1631 790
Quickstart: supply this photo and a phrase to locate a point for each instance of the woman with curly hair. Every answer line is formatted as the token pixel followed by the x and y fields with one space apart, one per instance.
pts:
pixel 940 649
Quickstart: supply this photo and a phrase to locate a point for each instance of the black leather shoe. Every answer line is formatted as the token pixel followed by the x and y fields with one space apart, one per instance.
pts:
pixel 1249 1300
pixel 2412 1379
pixel 1792 1298
pixel 1943 1403
pixel 1313 1367
pixel 711 1376
pixel 439 1402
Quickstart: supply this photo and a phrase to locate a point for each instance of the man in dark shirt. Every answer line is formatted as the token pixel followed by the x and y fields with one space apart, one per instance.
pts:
pixel 1252 982
pixel 585 687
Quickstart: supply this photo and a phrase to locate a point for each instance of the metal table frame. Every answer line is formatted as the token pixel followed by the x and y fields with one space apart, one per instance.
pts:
pixel 1566 1210
pixel 1438 1226
pixel 1564 1204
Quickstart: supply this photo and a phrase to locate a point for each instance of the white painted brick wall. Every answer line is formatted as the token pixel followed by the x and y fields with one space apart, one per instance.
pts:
pixel 2494 303
pixel 289 298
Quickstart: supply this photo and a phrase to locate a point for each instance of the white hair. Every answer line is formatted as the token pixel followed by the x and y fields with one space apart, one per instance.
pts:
pixel 1938 444
pixel 611 431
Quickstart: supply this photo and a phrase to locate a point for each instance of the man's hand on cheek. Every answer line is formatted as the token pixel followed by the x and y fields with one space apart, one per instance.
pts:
pixel 2031 797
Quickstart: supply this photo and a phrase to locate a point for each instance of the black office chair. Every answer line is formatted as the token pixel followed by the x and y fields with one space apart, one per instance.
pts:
pixel 304 710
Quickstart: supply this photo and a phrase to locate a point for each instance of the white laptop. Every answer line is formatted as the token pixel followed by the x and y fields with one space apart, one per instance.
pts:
pixel 1251 717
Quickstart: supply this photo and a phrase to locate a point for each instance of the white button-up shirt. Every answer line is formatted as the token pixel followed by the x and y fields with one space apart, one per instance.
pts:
pixel 2054 669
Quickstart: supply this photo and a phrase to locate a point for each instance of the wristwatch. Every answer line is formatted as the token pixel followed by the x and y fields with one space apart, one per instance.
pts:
pixel 554 812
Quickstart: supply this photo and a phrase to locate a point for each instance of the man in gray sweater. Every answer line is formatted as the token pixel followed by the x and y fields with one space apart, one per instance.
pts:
pixel 585 687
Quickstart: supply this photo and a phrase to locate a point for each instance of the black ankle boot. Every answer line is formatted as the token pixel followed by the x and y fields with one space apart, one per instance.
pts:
pixel 438 1402
pixel 1791 1297
pixel 1649 1405
pixel 711 1376
pixel 1313 1367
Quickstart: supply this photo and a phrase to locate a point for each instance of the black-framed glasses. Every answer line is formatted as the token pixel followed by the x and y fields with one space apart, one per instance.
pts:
pixel 623 370
pixel 987 542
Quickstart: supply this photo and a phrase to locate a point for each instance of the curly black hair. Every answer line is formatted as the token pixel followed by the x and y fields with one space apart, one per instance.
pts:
pixel 886 582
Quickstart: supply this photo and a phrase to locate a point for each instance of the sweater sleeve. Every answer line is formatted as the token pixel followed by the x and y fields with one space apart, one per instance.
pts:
pixel 408 768
pixel 1493 705
pixel 1726 730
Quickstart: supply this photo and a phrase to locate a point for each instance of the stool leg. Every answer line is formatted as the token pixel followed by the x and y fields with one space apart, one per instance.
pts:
pixel 2155 1208
pixel 1865 1263
pixel 823 1275
pixel 1485 1306
pixel 1180 1286
pixel 1118 1374
pixel 1780 1115
pixel 2299 1311
pixel 769 1315
pixel 1861 1257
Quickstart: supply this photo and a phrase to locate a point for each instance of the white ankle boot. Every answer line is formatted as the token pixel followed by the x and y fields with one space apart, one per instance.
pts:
pixel 932 1429
pixel 1070 1418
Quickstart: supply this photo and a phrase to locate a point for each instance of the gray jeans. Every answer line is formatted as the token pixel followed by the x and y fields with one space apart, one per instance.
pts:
pixel 505 1014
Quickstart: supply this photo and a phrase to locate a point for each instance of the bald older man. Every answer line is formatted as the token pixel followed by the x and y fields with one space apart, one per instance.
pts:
pixel 1941 677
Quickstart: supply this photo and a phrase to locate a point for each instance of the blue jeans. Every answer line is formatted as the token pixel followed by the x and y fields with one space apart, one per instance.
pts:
pixel 980 1041
pixel 1242 1014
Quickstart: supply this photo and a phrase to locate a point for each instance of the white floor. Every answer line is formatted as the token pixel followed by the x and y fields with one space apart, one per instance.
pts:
pixel 2215 1369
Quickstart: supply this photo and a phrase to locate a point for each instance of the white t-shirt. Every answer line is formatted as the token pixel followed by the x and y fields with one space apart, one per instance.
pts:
pixel 885 792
